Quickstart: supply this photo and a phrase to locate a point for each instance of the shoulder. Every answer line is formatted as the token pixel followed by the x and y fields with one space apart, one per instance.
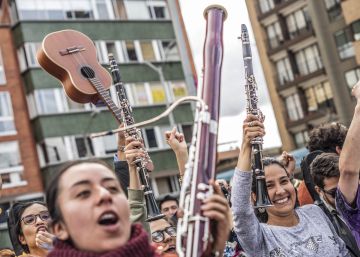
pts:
pixel 311 210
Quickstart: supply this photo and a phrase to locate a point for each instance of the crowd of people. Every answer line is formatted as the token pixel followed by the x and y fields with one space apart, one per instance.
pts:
pixel 92 209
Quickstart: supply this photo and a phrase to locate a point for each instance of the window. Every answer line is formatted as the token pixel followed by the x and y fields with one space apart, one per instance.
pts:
pixel 319 96
pixel 27 55
pixel 308 60
pixel 301 138
pixel 344 44
pixel 297 21
pixel 6 115
pixel 168 184
pixel 49 101
pixel 105 145
pixel 150 140
pixel 158 9
pixel 187 131
pixel 284 70
pixel 352 76
pixel 158 94
pixel 102 10
pixel 333 8
pixel 139 94
pixel 147 51
pixel 130 51
pixel 274 34
pixel 266 5
pixel 119 9
pixel 169 50
pixel 137 10
pixel 10 165
pixel 179 89
pixel 2 71
pixel 356 29
pixel 294 107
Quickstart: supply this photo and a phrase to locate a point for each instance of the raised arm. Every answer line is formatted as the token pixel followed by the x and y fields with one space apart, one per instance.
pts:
pixel 349 162
pixel 247 226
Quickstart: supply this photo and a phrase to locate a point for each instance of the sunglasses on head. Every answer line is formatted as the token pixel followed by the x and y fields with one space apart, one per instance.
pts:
pixel 31 219
pixel 331 192
pixel 159 236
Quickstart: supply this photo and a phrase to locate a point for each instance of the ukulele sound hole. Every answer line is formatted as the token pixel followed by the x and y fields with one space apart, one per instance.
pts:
pixel 87 72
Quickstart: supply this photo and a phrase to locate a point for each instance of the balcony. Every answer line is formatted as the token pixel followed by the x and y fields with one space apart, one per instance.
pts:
pixel 279 4
pixel 275 45
pixel 298 78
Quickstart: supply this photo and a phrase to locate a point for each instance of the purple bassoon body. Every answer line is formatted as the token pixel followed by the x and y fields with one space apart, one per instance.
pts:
pixel 193 229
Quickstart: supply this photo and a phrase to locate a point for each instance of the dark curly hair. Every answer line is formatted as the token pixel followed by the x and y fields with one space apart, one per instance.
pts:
pixel 325 165
pixel 327 137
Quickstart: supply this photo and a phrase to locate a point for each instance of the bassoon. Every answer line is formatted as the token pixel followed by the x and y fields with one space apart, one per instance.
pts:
pixel 193 234
pixel 262 197
pixel 153 212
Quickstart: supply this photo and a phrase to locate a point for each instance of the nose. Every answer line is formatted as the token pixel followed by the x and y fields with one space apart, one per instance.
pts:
pixel 38 221
pixel 167 237
pixel 104 196
pixel 279 190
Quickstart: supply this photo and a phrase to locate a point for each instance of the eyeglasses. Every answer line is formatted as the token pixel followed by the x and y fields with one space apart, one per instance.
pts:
pixel 159 236
pixel 331 192
pixel 31 219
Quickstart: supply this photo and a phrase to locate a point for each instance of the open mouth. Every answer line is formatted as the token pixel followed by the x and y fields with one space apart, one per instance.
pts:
pixel 171 249
pixel 282 201
pixel 108 218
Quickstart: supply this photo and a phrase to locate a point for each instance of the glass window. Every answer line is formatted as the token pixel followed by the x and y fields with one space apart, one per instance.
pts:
pixel 10 164
pixel 333 8
pixel 301 138
pixel 266 5
pixel 2 71
pixel 130 51
pixel 119 9
pixel 356 30
pixel 179 89
pixel 30 51
pixel 49 101
pixel 274 34
pixel 294 107
pixel 168 184
pixel 6 115
pixel 308 60
pixel 297 21
pixel 139 94
pixel 147 50
pixel 150 141
pixel 137 10
pixel 102 10
pixel 319 96
pixel 284 70
pixel 157 93
pixel 344 44
pixel 187 131
pixel 352 76
pixel 169 50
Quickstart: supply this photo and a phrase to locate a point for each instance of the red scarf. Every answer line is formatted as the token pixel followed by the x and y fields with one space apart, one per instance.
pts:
pixel 137 246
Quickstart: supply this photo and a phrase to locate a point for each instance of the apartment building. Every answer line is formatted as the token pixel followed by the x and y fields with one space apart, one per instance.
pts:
pixel 307 50
pixel 41 128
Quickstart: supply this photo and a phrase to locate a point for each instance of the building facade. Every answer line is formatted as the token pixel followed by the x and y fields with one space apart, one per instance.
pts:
pixel 307 50
pixel 148 40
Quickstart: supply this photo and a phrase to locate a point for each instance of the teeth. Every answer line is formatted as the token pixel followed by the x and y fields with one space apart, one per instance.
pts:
pixel 108 216
pixel 282 200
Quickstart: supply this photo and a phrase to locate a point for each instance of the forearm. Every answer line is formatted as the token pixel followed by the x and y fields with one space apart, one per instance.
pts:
pixel 134 182
pixel 138 208
pixel 182 158
pixel 349 162
pixel 247 226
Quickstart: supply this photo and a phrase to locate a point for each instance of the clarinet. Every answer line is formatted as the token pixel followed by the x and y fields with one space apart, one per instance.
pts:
pixel 193 231
pixel 262 197
pixel 153 212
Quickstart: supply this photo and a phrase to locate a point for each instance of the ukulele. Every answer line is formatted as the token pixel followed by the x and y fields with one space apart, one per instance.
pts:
pixel 70 56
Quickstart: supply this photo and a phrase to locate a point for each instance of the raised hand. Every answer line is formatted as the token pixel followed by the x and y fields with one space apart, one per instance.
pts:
pixel 288 161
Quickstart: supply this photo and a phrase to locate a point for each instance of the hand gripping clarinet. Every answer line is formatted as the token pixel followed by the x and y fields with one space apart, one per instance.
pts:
pixel 193 233
pixel 153 212
pixel 262 197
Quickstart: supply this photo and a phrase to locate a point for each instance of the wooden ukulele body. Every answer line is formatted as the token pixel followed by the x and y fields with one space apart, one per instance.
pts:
pixel 70 56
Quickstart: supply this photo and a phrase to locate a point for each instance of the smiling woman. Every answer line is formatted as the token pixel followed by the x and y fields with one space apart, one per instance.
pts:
pixel 91 214
pixel 287 230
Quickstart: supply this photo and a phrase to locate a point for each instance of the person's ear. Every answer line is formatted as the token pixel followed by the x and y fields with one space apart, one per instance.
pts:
pixel 22 239
pixel 338 150
pixel 318 190
pixel 60 231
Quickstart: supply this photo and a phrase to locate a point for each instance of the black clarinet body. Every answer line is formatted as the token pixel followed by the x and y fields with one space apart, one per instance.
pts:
pixel 262 197
pixel 153 212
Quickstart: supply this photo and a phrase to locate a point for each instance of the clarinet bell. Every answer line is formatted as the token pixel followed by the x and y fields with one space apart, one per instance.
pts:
pixel 262 196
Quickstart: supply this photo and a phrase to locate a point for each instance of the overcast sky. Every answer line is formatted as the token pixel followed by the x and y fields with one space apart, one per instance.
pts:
pixel 233 100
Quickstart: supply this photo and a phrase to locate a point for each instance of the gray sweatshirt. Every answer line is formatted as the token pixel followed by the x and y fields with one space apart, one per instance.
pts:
pixel 314 235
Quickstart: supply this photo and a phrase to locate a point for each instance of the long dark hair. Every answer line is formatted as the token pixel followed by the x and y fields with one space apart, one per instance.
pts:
pixel 14 224
pixel 261 213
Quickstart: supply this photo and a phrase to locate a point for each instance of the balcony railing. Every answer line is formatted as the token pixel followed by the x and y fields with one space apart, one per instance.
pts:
pixel 298 78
